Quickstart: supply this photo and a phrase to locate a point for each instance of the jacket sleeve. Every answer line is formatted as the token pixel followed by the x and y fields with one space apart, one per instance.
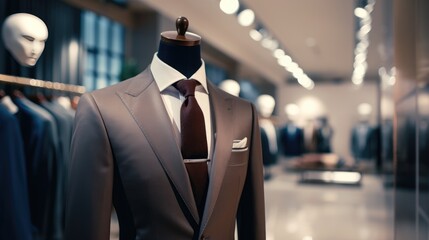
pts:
pixel 89 192
pixel 251 211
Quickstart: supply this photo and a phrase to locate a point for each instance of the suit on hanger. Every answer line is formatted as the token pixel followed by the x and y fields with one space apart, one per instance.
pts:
pixel 124 151
pixel 40 138
pixel 15 221
pixel 64 124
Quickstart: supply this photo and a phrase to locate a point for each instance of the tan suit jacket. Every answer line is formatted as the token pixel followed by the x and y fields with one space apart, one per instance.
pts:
pixel 125 154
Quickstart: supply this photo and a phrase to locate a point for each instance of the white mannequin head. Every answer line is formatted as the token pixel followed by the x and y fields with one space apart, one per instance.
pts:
pixel 230 86
pixel 24 36
pixel 364 111
pixel 265 104
pixel 292 111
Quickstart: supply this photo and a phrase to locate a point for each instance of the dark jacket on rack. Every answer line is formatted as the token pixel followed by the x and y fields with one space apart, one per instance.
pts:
pixel 40 137
pixel 64 123
pixel 14 203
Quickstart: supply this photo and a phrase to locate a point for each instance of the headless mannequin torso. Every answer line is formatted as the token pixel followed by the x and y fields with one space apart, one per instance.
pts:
pixel 181 50
pixel 185 59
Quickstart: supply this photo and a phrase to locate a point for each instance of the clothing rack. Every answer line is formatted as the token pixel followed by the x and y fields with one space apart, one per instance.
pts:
pixel 77 89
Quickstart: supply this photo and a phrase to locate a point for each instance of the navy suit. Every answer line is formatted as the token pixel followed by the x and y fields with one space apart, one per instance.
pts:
pixel 269 158
pixel 64 123
pixel 14 204
pixel 40 146
pixel 292 140
pixel 363 142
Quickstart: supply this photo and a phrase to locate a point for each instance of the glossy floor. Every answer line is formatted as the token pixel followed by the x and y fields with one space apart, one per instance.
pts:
pixel 302 211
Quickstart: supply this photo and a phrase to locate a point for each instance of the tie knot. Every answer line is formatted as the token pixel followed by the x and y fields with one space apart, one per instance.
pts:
pixel 186 87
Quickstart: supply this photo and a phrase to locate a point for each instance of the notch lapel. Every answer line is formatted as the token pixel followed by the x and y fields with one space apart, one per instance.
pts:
pixel 221 109
pixel 144 102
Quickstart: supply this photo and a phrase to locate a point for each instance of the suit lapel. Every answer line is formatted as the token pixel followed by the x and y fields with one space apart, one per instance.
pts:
pixel 144 102
pixel 221 110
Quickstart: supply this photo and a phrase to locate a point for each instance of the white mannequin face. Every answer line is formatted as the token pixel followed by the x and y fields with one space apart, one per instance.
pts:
pixel 24 36
pixel 265 104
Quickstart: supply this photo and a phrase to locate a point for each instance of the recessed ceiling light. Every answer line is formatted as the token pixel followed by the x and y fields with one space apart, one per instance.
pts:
pixel 246 17
pixel 229 6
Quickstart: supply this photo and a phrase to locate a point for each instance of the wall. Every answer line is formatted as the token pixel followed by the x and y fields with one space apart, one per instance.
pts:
pixel 411 95
pixel 338 102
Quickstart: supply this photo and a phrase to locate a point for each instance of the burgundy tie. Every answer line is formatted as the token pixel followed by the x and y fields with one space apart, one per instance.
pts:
pixel 194 141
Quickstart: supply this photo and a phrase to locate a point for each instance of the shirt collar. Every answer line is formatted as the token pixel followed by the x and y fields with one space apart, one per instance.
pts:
pixel 166 76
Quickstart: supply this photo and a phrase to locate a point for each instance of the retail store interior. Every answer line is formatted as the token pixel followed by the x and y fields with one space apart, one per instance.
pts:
pixel 340 86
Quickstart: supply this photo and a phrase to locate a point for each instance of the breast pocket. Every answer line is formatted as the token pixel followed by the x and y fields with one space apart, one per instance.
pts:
pixel 239 157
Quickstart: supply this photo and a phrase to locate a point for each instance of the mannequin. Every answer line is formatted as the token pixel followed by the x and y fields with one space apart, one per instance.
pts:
pixel 265 104
pixel 24 36
pixel 324 135
pixel 291 135
pixel 230 86
pixel 362 137
pixel 181 50
pixel 131 159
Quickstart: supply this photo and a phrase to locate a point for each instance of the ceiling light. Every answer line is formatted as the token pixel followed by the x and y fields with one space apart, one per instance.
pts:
pixel 229 6
pixel 269 43
pixel 266 42
pixel 291 66
pixel 357 80
pixel 370 6
pixel 298 75
pixel 255 35
pixel 285 60
pixel 278 53
pixel 365 29
pixel 298 71
pixel 274 44
pixel 360 58
pixel 361 12
pixel 246 17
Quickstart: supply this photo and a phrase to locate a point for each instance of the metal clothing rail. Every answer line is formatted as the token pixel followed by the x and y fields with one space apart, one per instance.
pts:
pixel 42 84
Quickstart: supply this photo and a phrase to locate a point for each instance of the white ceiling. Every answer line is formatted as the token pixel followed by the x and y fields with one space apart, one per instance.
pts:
pixel 330 23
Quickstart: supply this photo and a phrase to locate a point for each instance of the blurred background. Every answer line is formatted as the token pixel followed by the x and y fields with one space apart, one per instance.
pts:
pixel 341 87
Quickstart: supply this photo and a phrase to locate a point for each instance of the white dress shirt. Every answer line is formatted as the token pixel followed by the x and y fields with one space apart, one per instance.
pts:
pixel 165 76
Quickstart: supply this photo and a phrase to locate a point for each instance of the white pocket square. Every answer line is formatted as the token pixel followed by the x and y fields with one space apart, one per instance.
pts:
pixel 237 144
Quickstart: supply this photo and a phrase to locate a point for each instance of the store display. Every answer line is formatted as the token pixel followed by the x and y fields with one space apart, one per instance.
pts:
pixel 324 134
pixel 15 221
pixel 45 132
pixel 292 140
pixel 363 141
pixel 265 105
pixel 125 153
